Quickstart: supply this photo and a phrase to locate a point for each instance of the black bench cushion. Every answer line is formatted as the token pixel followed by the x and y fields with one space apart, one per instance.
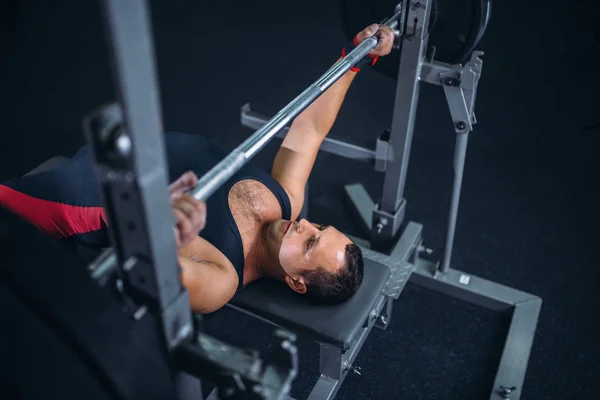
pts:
pixel 336 325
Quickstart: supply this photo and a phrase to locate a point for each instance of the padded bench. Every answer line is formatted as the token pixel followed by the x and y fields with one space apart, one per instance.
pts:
pixel 336 325
pixel 340 329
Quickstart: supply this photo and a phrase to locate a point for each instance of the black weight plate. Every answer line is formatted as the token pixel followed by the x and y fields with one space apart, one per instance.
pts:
pixel 456 26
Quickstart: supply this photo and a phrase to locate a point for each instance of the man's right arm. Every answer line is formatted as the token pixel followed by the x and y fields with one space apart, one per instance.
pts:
pixel 208 275
pixel 296 157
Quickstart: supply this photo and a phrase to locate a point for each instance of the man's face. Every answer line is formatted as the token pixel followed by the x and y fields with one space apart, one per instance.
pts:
pixel 305 246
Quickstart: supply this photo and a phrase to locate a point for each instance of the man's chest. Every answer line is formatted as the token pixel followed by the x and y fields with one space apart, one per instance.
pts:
pixel 252 205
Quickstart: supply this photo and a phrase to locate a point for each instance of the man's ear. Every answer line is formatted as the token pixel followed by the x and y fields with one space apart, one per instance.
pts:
pixel 297 285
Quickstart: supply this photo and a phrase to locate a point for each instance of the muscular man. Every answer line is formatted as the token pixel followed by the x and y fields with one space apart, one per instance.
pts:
pixel 251 227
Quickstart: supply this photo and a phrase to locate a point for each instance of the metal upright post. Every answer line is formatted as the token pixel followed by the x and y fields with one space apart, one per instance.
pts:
pixel 460 88
pixel 388 214
pixel 460 154
pixel 385 218
pixel 132 165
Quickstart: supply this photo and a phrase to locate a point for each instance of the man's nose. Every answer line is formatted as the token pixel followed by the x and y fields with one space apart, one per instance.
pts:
pixel 303 225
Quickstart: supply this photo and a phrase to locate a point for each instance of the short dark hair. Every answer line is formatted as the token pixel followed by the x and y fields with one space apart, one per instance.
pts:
pixel 333 288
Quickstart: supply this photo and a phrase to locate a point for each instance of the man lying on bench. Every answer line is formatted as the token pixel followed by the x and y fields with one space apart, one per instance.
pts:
pixel 251 229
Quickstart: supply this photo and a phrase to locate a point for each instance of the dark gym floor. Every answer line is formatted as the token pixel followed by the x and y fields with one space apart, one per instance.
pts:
pixel 528 216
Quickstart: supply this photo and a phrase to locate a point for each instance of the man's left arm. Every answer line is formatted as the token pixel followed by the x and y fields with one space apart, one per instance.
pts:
pixel 296 157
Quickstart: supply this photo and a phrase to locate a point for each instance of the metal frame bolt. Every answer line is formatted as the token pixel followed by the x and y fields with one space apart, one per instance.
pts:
pixel 461 125
pixel 123 144
pixel 381 224
pixel 425 250
pixel 451 82
pixel 506 391
pixel 350 368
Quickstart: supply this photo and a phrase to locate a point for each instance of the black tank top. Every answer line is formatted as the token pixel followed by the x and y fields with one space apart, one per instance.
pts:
pixel 185 152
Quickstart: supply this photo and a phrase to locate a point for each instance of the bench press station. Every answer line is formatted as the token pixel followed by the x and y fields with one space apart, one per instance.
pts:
pixel 405 257
pixel 341 330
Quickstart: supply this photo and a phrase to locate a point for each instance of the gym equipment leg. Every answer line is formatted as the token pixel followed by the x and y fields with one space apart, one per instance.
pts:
pixel 459 166
pixel 335 364
pixel 406 262
pixel 524 307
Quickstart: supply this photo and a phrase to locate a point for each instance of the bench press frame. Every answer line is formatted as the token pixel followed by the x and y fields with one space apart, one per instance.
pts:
pixel 384 220
pixel 386 217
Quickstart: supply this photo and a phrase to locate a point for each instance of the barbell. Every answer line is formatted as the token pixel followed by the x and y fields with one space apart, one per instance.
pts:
pixel 241 155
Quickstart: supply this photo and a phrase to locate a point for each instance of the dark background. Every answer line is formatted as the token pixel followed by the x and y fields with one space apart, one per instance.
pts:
pixel 528 216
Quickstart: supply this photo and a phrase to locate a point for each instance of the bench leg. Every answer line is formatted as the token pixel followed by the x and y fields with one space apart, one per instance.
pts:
pixel 335 363
pixel 331 366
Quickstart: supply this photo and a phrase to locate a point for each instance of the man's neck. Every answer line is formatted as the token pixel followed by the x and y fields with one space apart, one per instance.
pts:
pixel 265 261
